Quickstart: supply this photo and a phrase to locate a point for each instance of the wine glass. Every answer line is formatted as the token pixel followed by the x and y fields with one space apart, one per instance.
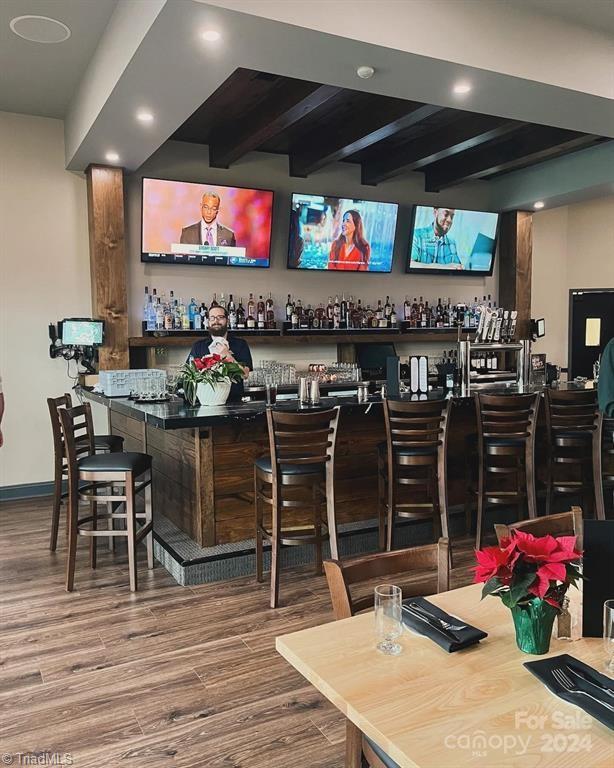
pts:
pixel 388 623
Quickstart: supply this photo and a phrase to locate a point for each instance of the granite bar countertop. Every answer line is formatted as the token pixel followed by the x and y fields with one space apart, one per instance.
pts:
pixel 176 414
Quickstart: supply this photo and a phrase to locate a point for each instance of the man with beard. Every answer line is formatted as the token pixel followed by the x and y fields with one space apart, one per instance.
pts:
pixel 218 343
pixel 433 244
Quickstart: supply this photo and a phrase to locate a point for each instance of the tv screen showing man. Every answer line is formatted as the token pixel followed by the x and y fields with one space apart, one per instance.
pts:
pixel 189 223
pixel 341 234
pixel 453 239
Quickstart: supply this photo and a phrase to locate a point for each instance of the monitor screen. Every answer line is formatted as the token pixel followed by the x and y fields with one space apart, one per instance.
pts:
pixel 187 223
pixel 450 239
pixel 77 332
pixel 338 233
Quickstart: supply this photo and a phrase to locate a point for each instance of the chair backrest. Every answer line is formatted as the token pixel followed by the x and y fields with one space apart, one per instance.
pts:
pixel 55 404
pixel 416 560
pixel 506 416
pixel 571 411
pixel 302 438
pixel 562 524
pixel 416 423
pixel 78 429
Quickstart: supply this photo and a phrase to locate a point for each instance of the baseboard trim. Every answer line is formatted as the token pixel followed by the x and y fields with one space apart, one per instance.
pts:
pixel 28 490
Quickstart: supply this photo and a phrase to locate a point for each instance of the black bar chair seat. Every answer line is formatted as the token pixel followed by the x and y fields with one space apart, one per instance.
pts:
pixel 263 464
pixel 416 450
pixel 137 463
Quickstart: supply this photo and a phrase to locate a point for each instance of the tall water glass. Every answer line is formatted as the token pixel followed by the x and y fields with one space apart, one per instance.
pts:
pixel 608 635
pixel 388 623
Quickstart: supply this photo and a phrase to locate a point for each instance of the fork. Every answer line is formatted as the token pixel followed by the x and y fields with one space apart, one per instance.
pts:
pixel 564 681
pixel 445 624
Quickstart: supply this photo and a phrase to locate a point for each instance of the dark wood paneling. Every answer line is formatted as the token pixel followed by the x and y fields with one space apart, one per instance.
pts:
pixel 105 204
pixel 515 266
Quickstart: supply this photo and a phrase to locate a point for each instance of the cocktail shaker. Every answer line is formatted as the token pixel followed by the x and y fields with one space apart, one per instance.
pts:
pixel 314 392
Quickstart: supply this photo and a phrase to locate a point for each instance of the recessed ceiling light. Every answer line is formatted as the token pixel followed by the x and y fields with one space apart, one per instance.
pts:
pixel 112 157
pixel 40 29
pixel 365 72
pixel 539 204
pixel 210 35
pixel 144 116
pixel 461 87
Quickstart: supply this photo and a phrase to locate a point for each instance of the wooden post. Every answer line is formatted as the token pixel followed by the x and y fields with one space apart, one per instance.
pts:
pixel 105 205
pixel 515 258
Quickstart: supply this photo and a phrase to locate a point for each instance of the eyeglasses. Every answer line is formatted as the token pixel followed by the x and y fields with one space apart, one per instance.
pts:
pixel 217 317
pixel 211 208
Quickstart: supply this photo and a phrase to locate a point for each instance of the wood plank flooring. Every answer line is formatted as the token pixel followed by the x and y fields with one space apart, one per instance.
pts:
pixel 168 677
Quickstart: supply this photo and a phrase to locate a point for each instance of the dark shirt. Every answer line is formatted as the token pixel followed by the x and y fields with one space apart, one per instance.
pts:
pixel 240 352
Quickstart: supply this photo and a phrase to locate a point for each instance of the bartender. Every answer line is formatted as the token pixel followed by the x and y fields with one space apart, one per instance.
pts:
pixel 220 344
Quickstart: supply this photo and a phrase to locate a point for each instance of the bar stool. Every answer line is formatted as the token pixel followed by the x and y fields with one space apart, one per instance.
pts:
pixel 102 444
pixel 506 448
pixel 605 466
pixel 302 456
pixel 103 471
pixel 415 455
pixel 574 447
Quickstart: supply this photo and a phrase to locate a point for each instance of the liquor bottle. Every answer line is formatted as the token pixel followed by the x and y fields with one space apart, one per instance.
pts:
pixel 159 315
pixel 168 314
pixel 204 316
pixel 260 310
pixel 423 312
pixel 318 316
pixel 251 320
pixel 214 302
pixel 222 301
pixel 270 312
pixel 387 308
pixel 299 309
pixel 197 322
pixel 379 311
pixel 289 309
pixel 294 317
pixel 336 313
pixel 330 312
pixel 146 305
pixel 303 321
pixel 344 312
pixel 439 317
pixel 232 314
pixel 407 310
pixel 240 315
pixel 394 320
pixel 251 307
pixel 150 318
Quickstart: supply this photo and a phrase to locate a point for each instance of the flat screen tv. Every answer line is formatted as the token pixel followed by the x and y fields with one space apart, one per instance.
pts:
pixel 452 240
pixel 338 233
pixel 187 223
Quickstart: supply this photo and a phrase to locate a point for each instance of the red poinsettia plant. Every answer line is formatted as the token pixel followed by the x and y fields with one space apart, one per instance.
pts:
pixel 524 567
pixel 209 369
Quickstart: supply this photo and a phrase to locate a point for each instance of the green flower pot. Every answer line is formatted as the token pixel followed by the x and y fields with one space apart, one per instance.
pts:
pixel 533 624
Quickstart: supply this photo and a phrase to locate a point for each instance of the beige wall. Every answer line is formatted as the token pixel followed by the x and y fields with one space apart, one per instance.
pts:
pixel 44 276
pixel 573 247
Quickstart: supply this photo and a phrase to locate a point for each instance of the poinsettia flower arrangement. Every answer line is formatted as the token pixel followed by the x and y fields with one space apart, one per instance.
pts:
pixel 209 369
pixel 524 567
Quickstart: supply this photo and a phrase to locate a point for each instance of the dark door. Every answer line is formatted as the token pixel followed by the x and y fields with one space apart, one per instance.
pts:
pixel 591 326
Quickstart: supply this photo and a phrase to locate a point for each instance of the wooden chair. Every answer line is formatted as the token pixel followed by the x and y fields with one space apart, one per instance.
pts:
pixel 415 456
pixel 561 524
pixel 574 446
pixel 506 448
pixel 302 451
pixel 102 444
pixel 100 472
pixel 342 575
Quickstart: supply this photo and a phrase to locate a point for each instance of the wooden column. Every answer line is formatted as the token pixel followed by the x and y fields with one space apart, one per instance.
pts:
pixel 105 204
pixel 515 258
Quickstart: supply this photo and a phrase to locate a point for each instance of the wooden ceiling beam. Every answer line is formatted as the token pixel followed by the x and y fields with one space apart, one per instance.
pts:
pixel 276 113
pixel 529 146
pixel 363 130
pixel 469 132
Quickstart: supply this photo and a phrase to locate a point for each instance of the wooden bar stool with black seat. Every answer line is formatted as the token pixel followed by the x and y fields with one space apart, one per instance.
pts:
pixel 562 524
pixel 415 456
pixel 420 571
pixel 574 448
pixel 100 472
pixel 506 448
pixel 604 464
pixel 302 451
pixel 102 444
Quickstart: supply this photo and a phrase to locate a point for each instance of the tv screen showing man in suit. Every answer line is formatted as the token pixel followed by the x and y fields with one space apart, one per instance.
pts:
pixel 451 239
pixel 187 223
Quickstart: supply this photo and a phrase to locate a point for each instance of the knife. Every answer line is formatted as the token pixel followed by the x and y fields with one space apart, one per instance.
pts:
pixel 447 633
pixel 582 676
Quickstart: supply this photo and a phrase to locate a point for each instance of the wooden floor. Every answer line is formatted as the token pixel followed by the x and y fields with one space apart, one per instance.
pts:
pixel 170 676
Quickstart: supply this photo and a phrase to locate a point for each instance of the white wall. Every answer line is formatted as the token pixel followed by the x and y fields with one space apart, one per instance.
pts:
pixel 44 276
pixel 573 247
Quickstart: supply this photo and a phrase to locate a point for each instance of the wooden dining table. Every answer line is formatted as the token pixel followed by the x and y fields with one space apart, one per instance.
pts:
pixel 427 708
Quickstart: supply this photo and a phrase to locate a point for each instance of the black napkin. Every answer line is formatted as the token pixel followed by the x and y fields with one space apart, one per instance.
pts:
pixel 449 640
pixel 542 669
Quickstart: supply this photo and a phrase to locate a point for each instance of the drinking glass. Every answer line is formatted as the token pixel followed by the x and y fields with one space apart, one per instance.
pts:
pixel 608 635
pixel 388 623
pixel 271 389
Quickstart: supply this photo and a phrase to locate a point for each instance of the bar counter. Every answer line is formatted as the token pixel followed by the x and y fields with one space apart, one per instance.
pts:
pixel 203 457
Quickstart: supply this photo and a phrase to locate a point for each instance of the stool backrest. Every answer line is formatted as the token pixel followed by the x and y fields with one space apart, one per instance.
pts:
pixel 418 560
pixel 571 411
pixel 506 416
pixel 416 423
pixel 302 438
pixel 78 429
pixel 55 404
pixel 561 524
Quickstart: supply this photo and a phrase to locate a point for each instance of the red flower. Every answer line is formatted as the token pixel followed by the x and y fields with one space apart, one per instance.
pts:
pixel 544 575
pixel 493 561
pixel 198 364
pixel 534 549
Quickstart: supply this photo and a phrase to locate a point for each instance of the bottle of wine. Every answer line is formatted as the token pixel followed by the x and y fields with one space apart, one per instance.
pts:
pixel 407 310
pixel 289 309
pixel 330 312
pixel 394 320
pixel 270 312
pixel 261 317
pixel 146 305
pixel 240 315
pixel 336 313
pixel 251 307
pixel 387 308
pixel 251 320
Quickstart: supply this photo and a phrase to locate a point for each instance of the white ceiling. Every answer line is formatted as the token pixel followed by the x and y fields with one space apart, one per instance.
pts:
pixel 40 79
pixel 592 14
